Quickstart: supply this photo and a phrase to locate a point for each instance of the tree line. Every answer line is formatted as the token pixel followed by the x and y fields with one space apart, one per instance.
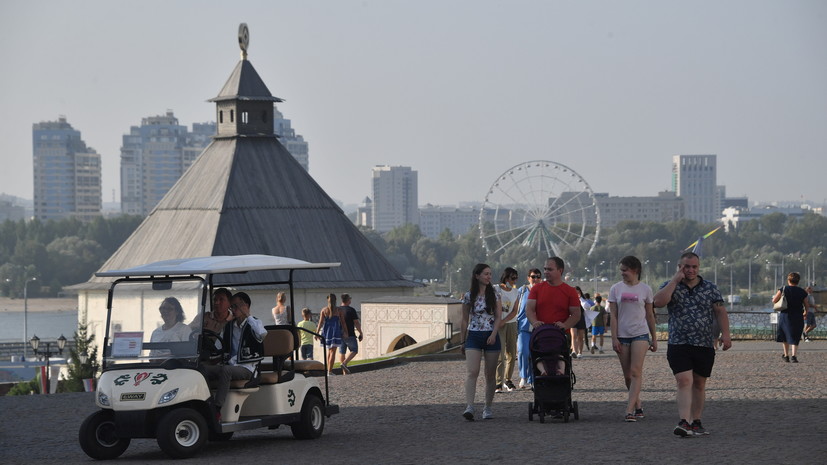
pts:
pixel 57 253
pixel 756 255
pixel 750 259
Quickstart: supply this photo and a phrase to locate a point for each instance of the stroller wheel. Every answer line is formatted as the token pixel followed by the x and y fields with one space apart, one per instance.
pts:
pixel 530 411
pixel 566 416
pixel 542 416
pixel 576 411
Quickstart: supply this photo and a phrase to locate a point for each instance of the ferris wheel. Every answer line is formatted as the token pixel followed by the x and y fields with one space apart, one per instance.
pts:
pixel 541 205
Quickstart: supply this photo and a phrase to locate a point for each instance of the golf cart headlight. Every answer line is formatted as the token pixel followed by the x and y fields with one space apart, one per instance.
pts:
pixel 103 399
pixel 168 396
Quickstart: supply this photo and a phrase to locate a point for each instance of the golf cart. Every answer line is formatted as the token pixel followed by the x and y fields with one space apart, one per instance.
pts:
pixel 155 387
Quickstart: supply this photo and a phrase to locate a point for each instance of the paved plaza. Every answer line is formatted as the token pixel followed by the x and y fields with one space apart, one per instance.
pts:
pixel 759 410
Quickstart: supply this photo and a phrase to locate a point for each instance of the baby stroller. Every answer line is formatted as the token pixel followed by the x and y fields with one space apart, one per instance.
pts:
pixel 553 377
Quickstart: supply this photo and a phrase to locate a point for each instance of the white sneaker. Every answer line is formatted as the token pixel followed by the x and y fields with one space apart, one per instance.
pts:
pixel 522 383
pixel 486 413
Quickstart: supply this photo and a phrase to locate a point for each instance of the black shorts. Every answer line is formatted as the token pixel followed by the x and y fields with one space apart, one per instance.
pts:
pixel 684 357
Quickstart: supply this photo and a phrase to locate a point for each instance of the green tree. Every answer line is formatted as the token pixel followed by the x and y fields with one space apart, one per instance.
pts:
pixel 84 343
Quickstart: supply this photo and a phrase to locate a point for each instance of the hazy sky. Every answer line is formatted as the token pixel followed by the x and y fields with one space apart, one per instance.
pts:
pixel 458 90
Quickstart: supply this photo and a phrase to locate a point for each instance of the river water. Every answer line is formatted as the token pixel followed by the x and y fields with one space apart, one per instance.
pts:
pixel 47 325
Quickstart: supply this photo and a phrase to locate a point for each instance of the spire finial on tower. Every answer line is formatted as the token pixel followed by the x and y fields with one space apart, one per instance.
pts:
pixel 243 39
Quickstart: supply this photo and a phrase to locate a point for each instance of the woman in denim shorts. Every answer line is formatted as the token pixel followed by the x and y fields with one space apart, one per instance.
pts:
pixel 632 323
pixel 481 318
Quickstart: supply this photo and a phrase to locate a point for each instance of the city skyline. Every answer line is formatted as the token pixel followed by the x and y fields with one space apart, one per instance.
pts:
pixel 458 91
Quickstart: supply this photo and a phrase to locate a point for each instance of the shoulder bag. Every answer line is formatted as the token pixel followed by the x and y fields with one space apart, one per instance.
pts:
pixel 781 305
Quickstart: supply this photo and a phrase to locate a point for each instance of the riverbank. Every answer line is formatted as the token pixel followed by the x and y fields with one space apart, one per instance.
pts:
pixel 63 304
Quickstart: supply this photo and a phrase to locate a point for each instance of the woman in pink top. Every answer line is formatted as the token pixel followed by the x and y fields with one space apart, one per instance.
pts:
pixel 633 329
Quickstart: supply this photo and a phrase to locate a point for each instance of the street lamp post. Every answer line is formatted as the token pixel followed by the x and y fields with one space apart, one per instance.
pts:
pixel 61 343
pixel 26 313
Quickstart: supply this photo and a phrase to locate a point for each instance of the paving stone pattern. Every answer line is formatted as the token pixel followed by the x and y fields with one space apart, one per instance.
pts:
pixel 759 410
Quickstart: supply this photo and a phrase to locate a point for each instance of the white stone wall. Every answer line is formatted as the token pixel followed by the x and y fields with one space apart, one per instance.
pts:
pixel 384 322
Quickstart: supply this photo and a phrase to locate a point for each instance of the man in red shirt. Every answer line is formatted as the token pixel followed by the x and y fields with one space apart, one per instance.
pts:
pixel 553 301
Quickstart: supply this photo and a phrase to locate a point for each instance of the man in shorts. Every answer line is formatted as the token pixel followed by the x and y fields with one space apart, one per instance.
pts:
pixel 350 342
pixel 693 304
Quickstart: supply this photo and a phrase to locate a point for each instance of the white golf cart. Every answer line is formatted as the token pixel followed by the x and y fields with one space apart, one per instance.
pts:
pixel 152 383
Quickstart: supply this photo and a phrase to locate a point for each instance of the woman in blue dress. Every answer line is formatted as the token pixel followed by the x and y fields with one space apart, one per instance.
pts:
pixel 791 319
pixel 332 328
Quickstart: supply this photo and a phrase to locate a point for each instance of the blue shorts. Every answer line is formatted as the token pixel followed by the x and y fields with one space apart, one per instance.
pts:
pixel 598 330
pixel 477 341
pixel 627 341
pixel 307 351
pixel 349 343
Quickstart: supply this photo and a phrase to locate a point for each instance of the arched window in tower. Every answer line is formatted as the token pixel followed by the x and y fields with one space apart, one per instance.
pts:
pixel 220 116
pixel 244 117
pixel 232 114
pixel 264 116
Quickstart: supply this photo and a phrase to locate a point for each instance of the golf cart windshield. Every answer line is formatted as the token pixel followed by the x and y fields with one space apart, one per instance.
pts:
pixel 151 321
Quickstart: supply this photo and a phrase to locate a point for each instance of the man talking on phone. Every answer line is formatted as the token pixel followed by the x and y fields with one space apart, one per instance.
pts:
pixel 693 304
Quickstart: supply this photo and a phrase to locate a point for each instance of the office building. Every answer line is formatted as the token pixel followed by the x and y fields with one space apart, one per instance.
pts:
pixel 154 155
pixel 694 178
pixel 295 144
pixel 664 207
pixel 67 173
pixel 435 219
pixel 394 197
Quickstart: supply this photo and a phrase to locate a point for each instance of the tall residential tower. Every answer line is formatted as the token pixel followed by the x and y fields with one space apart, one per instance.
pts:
pixel 394 197
pixel 67 173
pixel 154 155
pixel 694 179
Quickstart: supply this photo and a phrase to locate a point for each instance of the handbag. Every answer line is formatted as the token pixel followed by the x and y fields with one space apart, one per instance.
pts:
pixel 781 305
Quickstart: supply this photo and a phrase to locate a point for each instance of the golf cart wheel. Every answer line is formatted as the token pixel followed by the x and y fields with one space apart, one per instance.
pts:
pixel 530 412
pixel 576 411
pixel 566 414
pixel 97 436
pixel 311 424
pixel 181 433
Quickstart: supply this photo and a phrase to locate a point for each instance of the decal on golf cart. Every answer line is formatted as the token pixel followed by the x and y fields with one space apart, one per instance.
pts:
pixel 291 397
pixel 140 377
pixel 133 396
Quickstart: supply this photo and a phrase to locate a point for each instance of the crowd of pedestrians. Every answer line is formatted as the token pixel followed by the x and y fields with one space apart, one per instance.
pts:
pixel 498 320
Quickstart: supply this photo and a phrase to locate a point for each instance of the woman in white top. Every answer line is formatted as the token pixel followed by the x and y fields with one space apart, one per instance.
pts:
pixel 481 318
pixel 633 329
pixel 173 328
pixel 280 311
pixel 509 294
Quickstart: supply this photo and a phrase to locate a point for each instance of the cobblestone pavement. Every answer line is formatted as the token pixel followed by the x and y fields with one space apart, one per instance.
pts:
pixel 759 410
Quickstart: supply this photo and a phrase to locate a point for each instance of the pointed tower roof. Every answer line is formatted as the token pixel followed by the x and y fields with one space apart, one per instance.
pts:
pixel 248 195
pixel 245 84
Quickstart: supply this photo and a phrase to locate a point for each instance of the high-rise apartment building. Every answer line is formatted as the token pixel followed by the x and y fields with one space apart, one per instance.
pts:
pixel 67 173
pixel 395 197
pixel 154 155
pixel 694 179
pixel 295 144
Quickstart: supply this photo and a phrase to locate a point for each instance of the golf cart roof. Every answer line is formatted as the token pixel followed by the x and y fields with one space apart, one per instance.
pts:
pixel 216 265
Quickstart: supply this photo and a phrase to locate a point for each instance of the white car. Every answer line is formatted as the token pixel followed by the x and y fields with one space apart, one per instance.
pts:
pixel 152 385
